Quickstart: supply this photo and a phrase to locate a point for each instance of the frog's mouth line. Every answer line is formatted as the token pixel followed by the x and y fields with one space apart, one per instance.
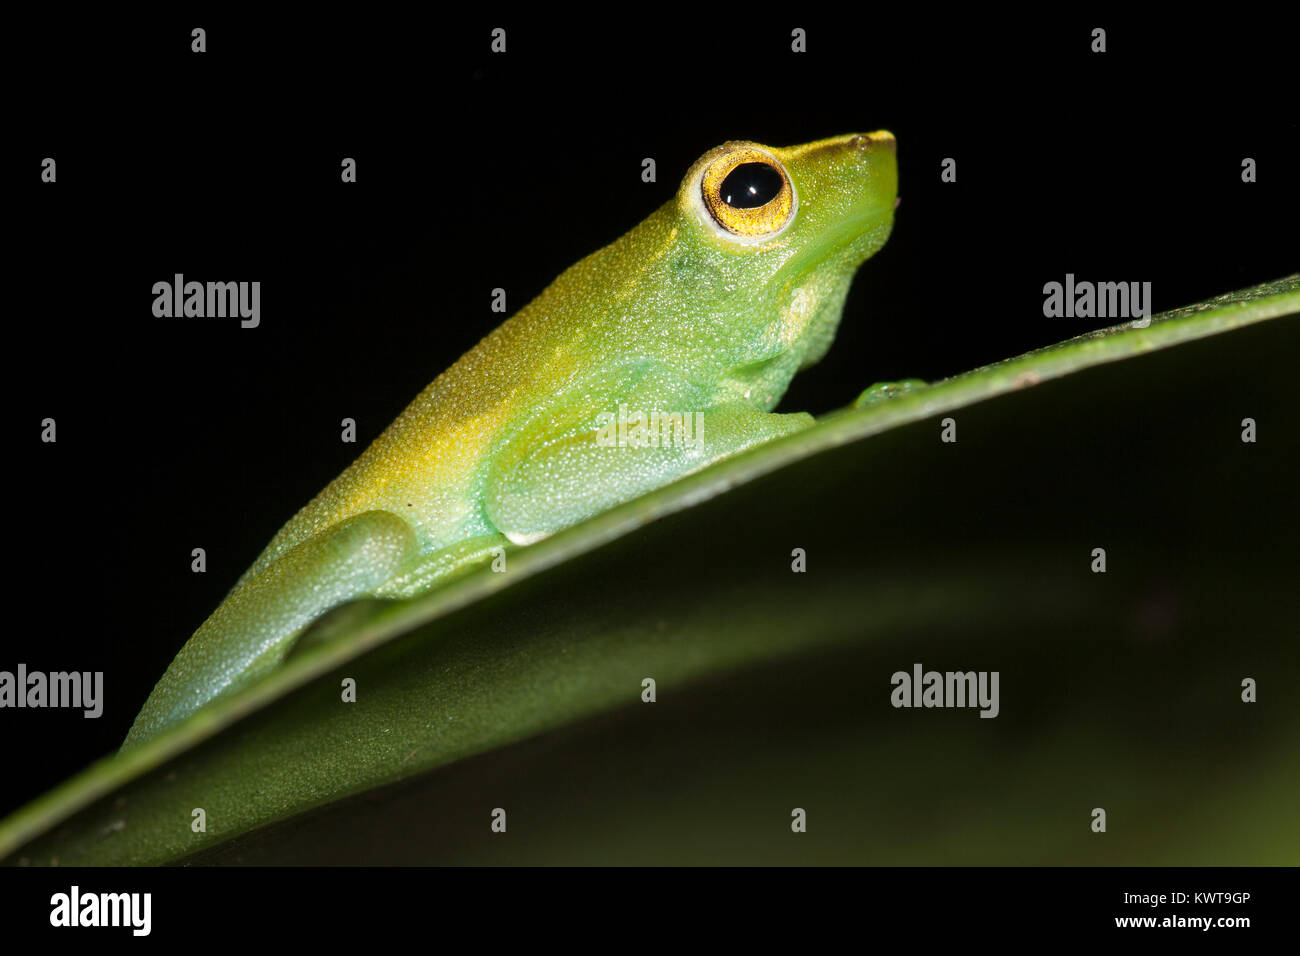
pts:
pixel 842 236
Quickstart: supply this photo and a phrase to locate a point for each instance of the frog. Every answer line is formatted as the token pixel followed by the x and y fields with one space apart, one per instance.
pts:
pixel 698 318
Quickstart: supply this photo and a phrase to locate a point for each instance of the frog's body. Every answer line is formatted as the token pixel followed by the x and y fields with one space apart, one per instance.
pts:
pixel 708 306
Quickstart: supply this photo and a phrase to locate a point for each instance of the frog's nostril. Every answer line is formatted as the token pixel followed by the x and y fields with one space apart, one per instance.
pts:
pixel 867 140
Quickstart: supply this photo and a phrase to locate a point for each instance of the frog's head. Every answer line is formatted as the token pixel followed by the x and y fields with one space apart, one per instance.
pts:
pixel 787 228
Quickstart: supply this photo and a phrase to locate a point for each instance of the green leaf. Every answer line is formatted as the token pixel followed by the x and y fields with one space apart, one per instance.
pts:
pixel 779 681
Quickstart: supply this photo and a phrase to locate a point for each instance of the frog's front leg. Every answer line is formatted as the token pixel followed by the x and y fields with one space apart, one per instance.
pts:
pixel 553 475
pixel 254 627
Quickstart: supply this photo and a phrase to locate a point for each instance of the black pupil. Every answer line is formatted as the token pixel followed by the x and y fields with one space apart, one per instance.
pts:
pixel 750 185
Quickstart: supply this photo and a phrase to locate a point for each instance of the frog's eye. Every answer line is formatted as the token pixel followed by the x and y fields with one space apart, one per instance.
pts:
pixel 748 193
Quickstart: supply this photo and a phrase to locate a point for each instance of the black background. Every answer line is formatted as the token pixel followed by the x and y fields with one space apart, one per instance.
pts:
pixel 477 171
